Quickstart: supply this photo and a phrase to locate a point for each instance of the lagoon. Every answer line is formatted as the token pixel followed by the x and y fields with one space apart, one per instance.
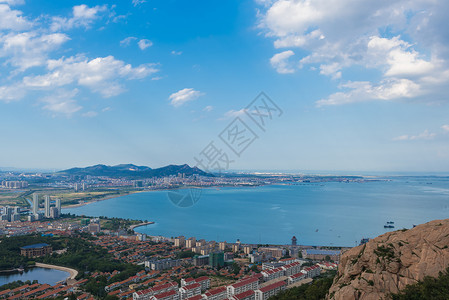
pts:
pixel 43 275
pixel 331 213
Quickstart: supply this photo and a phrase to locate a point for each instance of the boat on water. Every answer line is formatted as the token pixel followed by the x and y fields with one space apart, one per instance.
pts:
pixel 390 222
pixel 388 226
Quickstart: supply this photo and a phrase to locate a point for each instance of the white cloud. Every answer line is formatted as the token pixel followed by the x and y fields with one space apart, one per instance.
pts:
pixel 29 49
pixel 125 42
pixel 325 32
pixel 362 91
pixel 185 95
pixel 280 62
pixel 90 114
pixel 13 2
pixel 231 114
pixel 208 108
pixel 11 93
pixel 100 74
pixel 12 19
pixel 83 16
pixel 332 70
pixel 138 2
pixel 445 128
pixel 144 43
pixel 425 135
pixel 176 52
pixel 62 103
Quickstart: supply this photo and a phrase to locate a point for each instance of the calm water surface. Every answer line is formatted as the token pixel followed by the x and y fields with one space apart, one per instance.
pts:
pixel 317 214
pixel 43 275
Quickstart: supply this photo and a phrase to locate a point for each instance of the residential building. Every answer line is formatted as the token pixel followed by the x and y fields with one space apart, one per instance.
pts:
pixel 162 264
pixel 247 295
pixel 47 206
pixel 318 254
pixel 270 290
pixel 190 290
pixel 35 203
pixel 36 250
pixel 274 251
pixel 222 246
pixel 216 294
pixel 216 260
pixel 200 260
pixel 251 283
pixel 157 290
pixel 180 241
pixel 191 242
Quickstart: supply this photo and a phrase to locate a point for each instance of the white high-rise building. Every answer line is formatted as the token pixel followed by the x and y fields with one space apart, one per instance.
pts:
pixel 35 203
pixel 58 205
pixel 47 206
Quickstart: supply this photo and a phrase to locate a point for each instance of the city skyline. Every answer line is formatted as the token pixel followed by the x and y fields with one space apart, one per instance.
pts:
pixel 362 86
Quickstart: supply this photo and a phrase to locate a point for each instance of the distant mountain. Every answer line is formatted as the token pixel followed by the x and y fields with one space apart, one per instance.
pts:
pixel 133 171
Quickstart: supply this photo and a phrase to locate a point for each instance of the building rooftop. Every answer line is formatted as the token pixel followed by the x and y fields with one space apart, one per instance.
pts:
pixel 35 246
pixel 322 252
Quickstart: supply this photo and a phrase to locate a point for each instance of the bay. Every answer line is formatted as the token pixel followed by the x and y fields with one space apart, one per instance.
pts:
pixel 330 214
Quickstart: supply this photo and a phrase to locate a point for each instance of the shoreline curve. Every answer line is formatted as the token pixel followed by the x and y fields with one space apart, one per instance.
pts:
pixel 72 272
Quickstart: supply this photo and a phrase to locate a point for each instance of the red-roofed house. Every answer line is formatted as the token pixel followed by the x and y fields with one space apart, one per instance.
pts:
pixel 292 268
pixel 270 290
pixel 190 290
pixel 196 297
pixel 251 283
pixel 216 294
pixel 158 289
pixel 248 295
pixel 170 295
pixel 272 274
pixel 297 277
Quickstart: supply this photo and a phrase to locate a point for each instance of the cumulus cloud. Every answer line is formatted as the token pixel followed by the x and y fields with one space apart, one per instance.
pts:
pixel 82 16
pixel 280 62
pixel 28 53
pixel 144 43
pixel 362 91
pixel 12 19
pixel 445 128
pixel 425 135
pixel 185 95
pixel 100 74
pixel 29 49
pixel 338 34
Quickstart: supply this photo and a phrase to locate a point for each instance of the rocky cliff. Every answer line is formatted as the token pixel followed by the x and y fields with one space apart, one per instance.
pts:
pixel 391 261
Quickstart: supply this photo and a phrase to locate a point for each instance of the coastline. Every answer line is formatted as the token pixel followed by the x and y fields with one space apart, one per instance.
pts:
pixel 72 272
pixel 132 227
pixel 155 190
pixel 98 200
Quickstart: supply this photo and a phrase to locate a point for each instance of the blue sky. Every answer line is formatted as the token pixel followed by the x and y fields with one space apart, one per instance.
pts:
pixel 362 85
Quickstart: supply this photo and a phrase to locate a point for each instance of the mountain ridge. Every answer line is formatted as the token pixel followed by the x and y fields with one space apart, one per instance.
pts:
pixel 134 171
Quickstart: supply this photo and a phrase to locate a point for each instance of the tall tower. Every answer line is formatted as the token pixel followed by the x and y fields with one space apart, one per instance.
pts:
pixel 47 206
pixel 58 205
pixel 35 203
pixel 294 241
